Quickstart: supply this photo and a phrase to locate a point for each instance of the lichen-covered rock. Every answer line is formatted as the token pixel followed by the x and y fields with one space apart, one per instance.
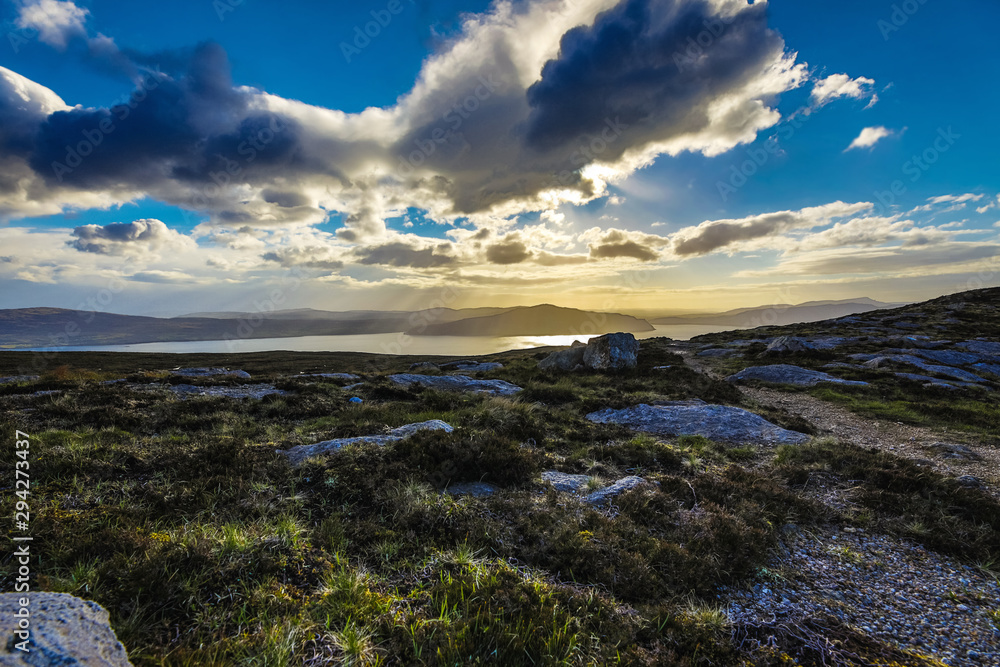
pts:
pixel 566 482
pixel 788 344
pixel 210 372
pixel 788 374
pixel 715 422
pixel 457 383
pixel 297 455
pixel 64 630
pixel 613 351
pixel 605 494
pixel 983 347
pixel 255 391
pixel 471 366
pixel 570 359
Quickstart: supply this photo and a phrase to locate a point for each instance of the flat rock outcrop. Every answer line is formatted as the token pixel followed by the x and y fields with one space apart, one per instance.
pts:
pixel 296 455
pixel 210 372
pixel 457 383
pixel 255 391
pixel 64 630
pixel 788 345
pixel 788 374
pixel 715 422
pixel 568 483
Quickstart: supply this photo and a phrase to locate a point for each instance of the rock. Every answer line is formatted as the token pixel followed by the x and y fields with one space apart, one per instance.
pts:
pixel 983 347
pixel 992 369
pixel 613 351
pixel 565 360
pixel 715 422
pixel 969 481
pixel 296 455
pixel 65 630
pixel 18 378
pixel 831 342
pixel 472 366
pixel 457 383
pixel 911 360
pixel 788 374
pixel 950 450
pixel 256 391
pixel 717 352
pixel 936 382
pixel 424 367
pixel 949 357
pixel 475 489
pixel 346 377
pixel 601 496
pixel 562 481
pixel 788 344
pixel 209 372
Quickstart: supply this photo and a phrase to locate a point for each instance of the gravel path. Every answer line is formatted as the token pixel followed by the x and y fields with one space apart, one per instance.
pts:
pixel 912 442
pixel 895 591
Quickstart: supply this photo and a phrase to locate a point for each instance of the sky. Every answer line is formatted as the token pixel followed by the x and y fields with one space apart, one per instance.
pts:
pixel 633 155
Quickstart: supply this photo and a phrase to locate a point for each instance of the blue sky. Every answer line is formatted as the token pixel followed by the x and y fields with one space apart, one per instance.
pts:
pixel 800 152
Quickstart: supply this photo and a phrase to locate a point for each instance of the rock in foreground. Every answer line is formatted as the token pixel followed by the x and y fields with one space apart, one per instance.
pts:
pixel 788 374
pixel 296 455
pixel 715 422
pixel 65 630
pixel 457 383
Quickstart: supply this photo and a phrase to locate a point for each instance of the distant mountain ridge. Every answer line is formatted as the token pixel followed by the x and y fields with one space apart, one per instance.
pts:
pixel 543 320
pixel 780 314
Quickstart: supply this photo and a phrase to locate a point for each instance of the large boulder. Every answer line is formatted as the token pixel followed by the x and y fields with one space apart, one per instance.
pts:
pixel 715 422
pixel 570 359
pixel 457 383
pixel 788 345
pixel 788 374
pixel 297 455
pixel 613 351
pixel 62 630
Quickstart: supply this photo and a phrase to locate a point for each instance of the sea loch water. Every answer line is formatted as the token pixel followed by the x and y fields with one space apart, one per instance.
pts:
pixel 384 343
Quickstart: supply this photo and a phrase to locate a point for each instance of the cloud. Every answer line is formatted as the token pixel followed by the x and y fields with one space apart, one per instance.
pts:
pixel 841 85
pixel 401 254
pixel 620 243
pixel 869 137
pixel 140 235
pixel 510 252
pixel 310 257
pixel 884 260
pixel 506 118
pixel 954 202
pixel 56 21
pixel 725 234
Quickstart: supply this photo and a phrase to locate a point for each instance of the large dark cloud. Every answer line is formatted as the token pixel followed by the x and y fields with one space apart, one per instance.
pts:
pixel 115 237
pixel 635 66
pixel 403 255
pixel 512 252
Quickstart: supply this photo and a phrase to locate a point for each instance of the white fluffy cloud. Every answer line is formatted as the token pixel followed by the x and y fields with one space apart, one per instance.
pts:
pixel 869 137
pixel 841 85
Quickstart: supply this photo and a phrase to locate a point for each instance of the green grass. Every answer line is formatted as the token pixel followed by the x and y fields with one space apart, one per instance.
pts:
pixel 207 548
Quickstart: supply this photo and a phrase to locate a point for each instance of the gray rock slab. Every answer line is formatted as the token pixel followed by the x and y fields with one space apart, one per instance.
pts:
pixel 717 352
pixel 473 367
pixel 602 496
pixel 64 630
pixel 912 360
pixel 296 455
pixel 566 482
pixel 210 372
pixel 788 344
pixel 345 377
pixel 255 391
pixel 788 374
pixel 18 378
pixel 457 383
pixel 715 422
pixel 983 347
